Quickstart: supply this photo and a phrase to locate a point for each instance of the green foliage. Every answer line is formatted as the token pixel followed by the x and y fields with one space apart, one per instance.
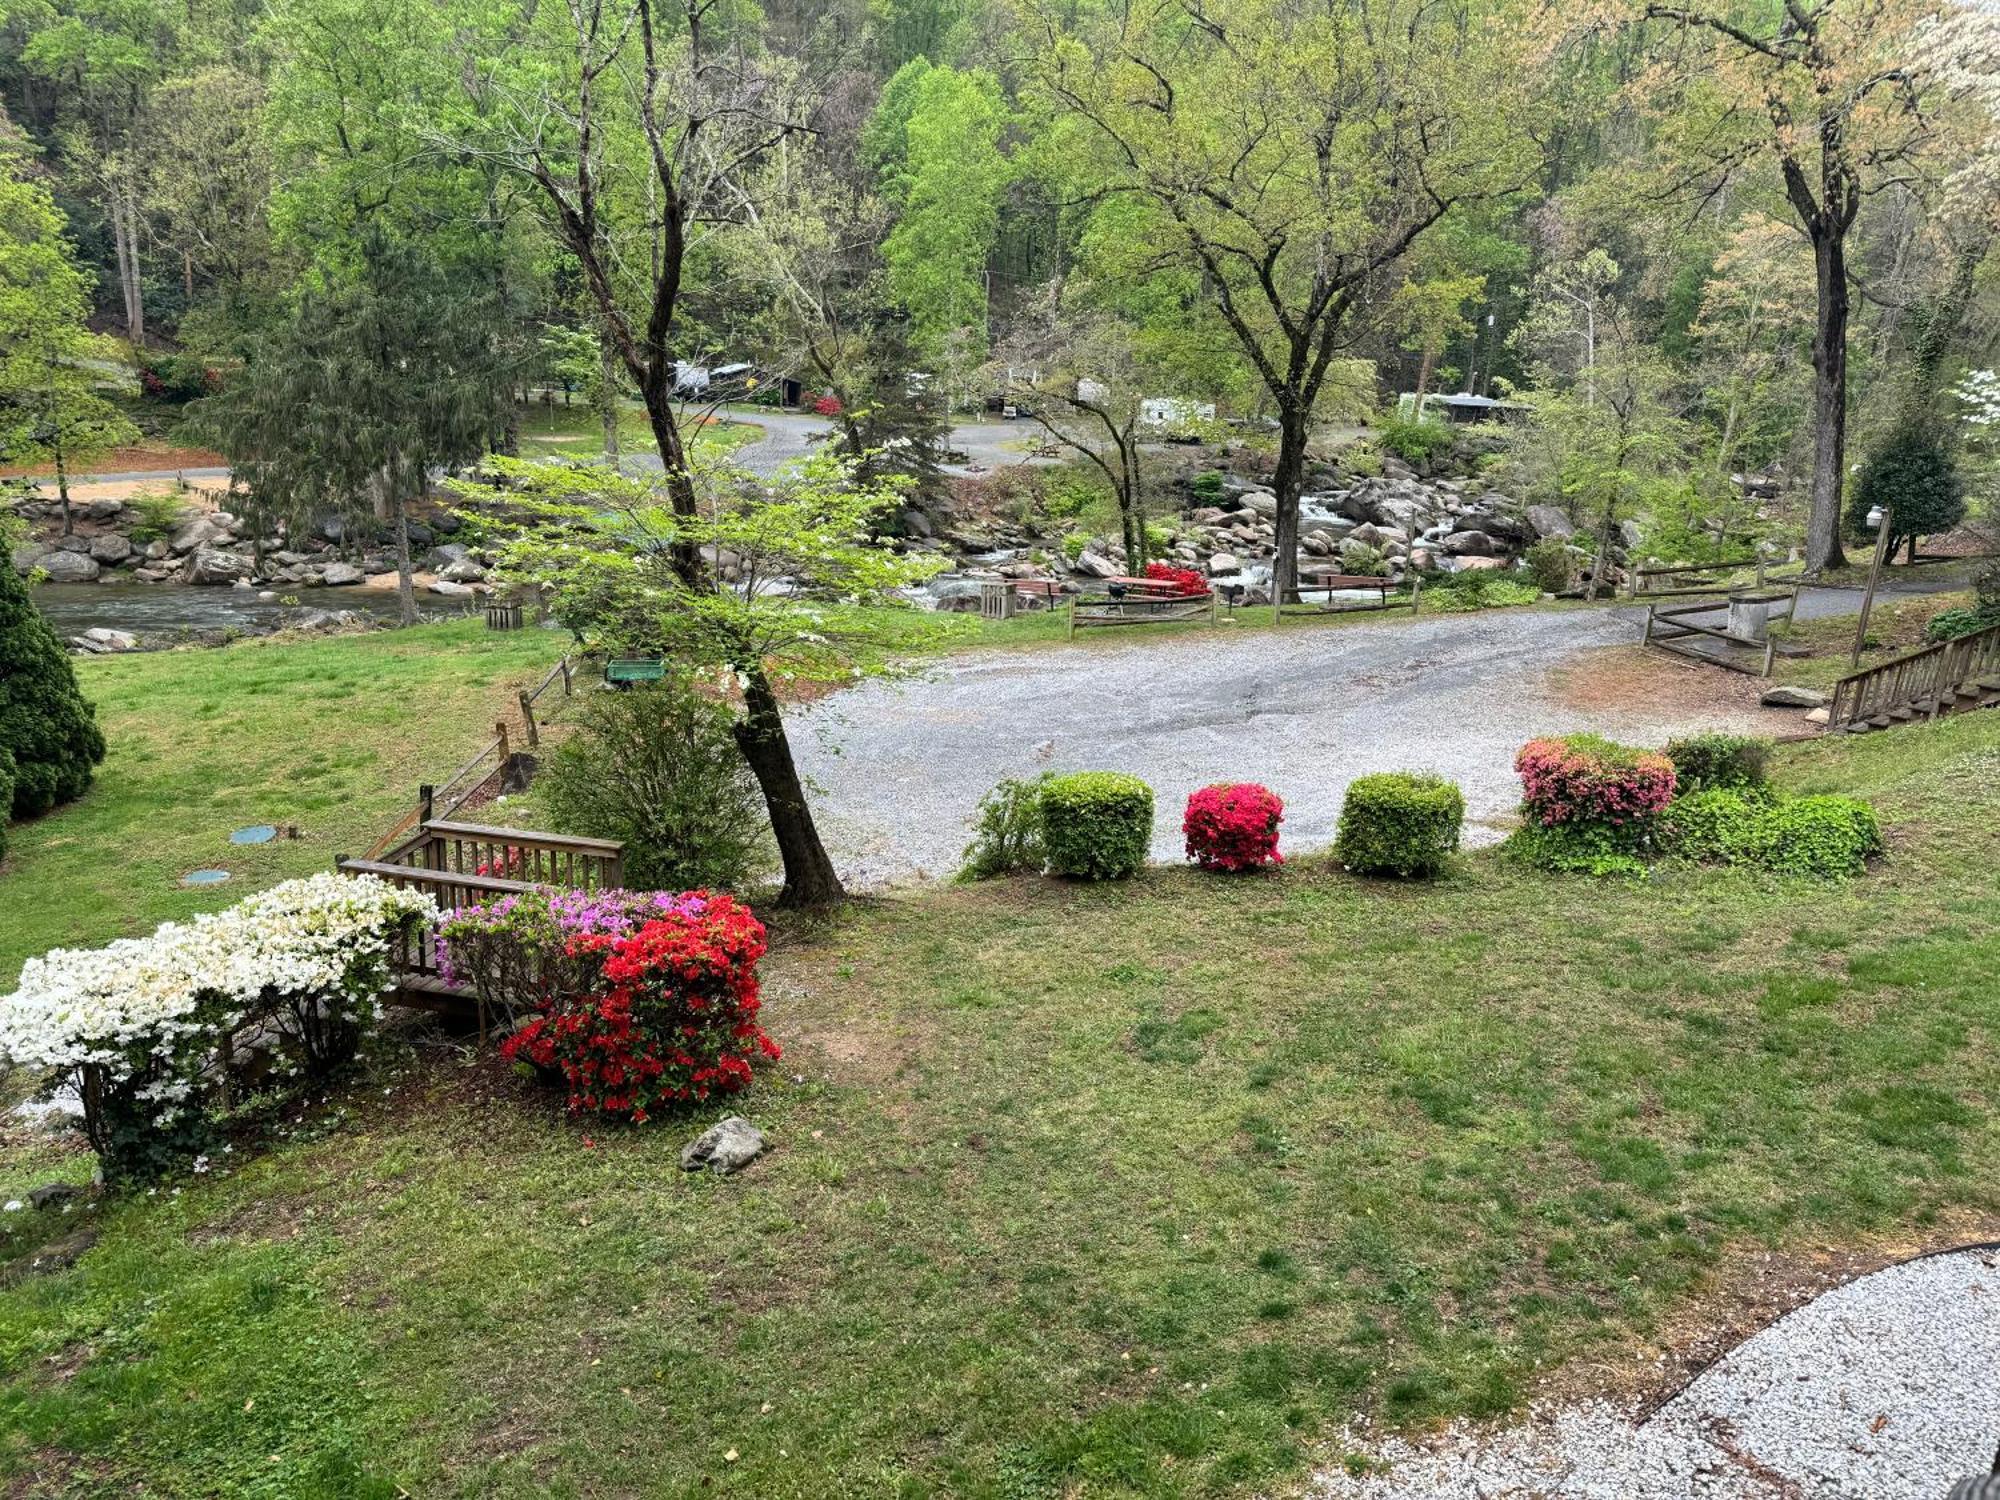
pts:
pixel 1207 486
pixel 50 410
pixel 1475 588
pixel 48 733
pixel 1914 476
pixel 1824 836
pixel 1551 564
pixel 1418 443
pixel 1399 823
pixel 1362 459
pixel 1950 624
pixel 1577 848
pixel 1007 839
pixel 1067 495
pixel 1733 762
pixel 658 767
pixel 1096 825
pixel 1715 826
pixel 159 513
pixel 1362 558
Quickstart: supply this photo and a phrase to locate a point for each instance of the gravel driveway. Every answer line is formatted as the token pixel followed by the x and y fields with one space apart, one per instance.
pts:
pixel 1887 1388
pixel 900 766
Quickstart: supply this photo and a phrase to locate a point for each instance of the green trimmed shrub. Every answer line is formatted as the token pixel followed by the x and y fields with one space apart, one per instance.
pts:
pixel 659 768
pixel 1096 825
pixel 1207 486
pixel 1008 837
pixel 1717 826
pixel 1399 823
pixel 1704 762
pixel 1950 624
pixel 45 724
pixel 1824 836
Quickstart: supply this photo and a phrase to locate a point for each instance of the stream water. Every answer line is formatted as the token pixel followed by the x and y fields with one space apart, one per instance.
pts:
pixel 153 610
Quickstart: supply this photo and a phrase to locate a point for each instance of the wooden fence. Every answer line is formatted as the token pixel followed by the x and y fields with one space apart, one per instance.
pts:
pixel 491 761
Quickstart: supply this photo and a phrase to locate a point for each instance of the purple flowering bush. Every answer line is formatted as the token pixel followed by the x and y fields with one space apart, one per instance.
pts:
pixel 517 952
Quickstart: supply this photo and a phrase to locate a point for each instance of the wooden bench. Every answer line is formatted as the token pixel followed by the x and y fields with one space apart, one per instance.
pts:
pixel 1293 599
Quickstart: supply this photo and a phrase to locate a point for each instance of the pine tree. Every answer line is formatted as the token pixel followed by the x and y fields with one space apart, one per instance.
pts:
pixel 46 727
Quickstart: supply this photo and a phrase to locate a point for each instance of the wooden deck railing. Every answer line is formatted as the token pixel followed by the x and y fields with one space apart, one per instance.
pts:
pixel 1917 683
pixel 468 864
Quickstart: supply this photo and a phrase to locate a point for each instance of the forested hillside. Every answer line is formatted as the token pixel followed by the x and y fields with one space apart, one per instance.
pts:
pixel 1695 240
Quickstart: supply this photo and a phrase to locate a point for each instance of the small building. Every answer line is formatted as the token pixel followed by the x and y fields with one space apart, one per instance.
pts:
pixel 1460 409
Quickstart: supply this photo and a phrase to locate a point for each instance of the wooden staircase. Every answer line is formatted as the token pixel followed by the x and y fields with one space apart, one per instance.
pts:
pixel 1943 679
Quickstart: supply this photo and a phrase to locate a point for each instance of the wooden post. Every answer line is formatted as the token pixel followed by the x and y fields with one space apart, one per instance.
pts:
pixel 1874 577
pixel 426 800
pixel 564 664
pixel 1072 616
pixel 528 718
pixel 506 752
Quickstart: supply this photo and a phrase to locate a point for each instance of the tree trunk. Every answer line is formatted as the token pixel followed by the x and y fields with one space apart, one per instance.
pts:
pixel 137 291
pixel 1829 403
pixel 1424 369
pixel 125 270
pixel 655 390
pixel 62 482
pixel 810 879
pixel 607 399
pixel 406 587
pixel 1293 428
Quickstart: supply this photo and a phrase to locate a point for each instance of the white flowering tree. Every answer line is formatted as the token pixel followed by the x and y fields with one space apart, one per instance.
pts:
pixel 134 1029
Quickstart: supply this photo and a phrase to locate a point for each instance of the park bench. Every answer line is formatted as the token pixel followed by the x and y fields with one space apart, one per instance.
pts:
pixel 1327 585
pixel 1139 601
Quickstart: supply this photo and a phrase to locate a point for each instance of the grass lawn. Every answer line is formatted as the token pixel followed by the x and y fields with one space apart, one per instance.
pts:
pixel 1137 1190
pixel 574 432
pixel 331 734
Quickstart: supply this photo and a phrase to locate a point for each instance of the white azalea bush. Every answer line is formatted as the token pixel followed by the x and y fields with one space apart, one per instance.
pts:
pixel 135 1027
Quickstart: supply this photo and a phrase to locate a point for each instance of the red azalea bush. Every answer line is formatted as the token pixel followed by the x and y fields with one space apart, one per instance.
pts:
pixel 826 406
pixel 1233 827
pixel 671 1020
pixel 1584 779
pixel 1186 581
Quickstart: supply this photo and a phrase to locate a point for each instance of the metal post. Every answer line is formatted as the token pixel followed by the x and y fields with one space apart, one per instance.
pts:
pixel 1874 577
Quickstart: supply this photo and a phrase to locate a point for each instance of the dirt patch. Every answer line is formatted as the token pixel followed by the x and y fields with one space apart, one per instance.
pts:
pixel 144 457
pixel 1631 679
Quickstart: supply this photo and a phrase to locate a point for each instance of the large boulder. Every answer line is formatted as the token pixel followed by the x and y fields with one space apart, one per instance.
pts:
pixel 1550 520
pixel 1224 562
pixel 26 556
pixel 1471 544
pixel 202 531
pixel 110 549
pixel 1788 695
pixel 340 575
pixel 69 567
pixel 446 553
pixel 1263 502
pixel 465 570
pixel 445 588
pixel 211 565
pixel 1095 564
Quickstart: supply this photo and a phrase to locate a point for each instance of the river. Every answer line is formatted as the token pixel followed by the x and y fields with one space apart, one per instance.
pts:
pixel 162 610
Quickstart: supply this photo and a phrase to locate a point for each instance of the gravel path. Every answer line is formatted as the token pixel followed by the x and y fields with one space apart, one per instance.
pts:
pixel 1887 1388
pixel 901 766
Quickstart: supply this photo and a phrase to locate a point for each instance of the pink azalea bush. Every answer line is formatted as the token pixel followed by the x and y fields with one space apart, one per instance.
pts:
pixel 1581 778
pixel 1233 826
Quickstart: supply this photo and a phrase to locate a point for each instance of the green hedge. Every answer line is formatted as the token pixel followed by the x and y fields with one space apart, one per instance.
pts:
pixel 1399 823
pixel 1820 836
pixel 1096 825
pixel 1706 762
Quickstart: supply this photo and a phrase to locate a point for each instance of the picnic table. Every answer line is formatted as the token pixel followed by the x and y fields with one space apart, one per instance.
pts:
pixel 1139 601
pixel 1328 582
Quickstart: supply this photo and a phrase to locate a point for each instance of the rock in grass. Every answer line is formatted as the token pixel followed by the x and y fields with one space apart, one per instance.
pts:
pixel 1786 696
pixel 726 1146
pixel 51 1194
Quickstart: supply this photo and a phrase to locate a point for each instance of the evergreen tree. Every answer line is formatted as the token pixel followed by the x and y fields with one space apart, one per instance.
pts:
pixel 49 739
pixel 1914 477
